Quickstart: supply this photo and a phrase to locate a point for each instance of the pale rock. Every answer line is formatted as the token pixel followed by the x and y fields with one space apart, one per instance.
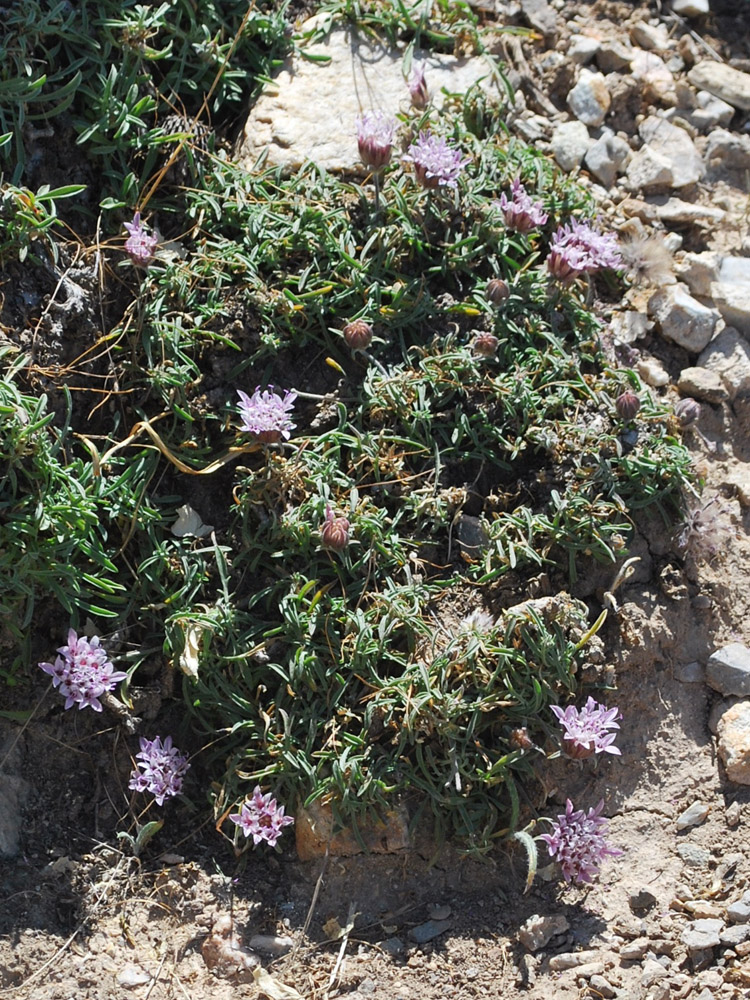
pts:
pixel 634 951
pixel 690 8
pixel 701 934
pixel 673 242
pixel 729 356
pixel 542 18
pixel 733 731
pixel 607 158
pixel 729 149
pixel 613 56
pixel 583 48
pixel 310 108
pixel 653 971
pixel 571 960
pixel 592 969
pixel 710 111
pixel 698 271
pixel 700 383
pixel 732 292
pixel 653 372
pixel 733 815
pixel 683 319
pixel 603 988
pixel 737 934
pixel 738 912
pixel 651 70
pixel 538 930
pixel 721 80
pixel 676 145
pixel 132 976
pixel 627 327
pixel 728 670
pixel 270 944
pixel 649 36
pixel 569 144
pixel 649 171
pixel 590 99
pixel 661 209
pixel 694 815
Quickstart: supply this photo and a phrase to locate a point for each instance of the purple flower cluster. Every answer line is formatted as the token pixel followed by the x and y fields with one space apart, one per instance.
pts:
pixel 163 768
pixel 436 163
pixel 521 213
pixel 261 818
pixel 579 248
pixel 83 672
pixel 267 415
pixel 140 246
pixel 586 729
pixel 375 138
pixel 577 842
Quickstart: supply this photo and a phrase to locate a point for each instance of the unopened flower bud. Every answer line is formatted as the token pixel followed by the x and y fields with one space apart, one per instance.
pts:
pixel 497 291
pixel 520 739
pixel 358 334
pixel 485 344
pixel 418 88
pixel 334 532
pixel 627 405
pixel 687 411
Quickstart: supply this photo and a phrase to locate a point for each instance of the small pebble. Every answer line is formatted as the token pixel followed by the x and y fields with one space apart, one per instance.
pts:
pixel 644 899
pixel 429 930
pixel 733 815
pixel 694 815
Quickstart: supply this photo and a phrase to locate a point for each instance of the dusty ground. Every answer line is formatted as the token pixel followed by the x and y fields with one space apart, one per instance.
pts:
pixel 81 919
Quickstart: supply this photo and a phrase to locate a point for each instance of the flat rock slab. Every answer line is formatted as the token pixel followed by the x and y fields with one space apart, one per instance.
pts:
pixel 728 670
pixel 310 110
pixel 726 82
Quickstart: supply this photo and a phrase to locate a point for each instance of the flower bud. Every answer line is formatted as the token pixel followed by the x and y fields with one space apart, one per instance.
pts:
pixel 334 532
pixel 627 405
pixel 520 739
pixel 687 411
pixel 358 334
pixel 485 344
pixel 418 88
pixel 497 291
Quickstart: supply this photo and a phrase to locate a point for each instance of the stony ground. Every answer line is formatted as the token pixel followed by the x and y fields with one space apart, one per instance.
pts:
pixel 651 106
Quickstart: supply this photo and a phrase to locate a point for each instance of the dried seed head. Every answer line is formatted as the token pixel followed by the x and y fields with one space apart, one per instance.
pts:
pixel 497 291
pixel 485 344
pixel 627 405
pixel 334 532
pixel 520 740
pixel 687 411
pixel 358 334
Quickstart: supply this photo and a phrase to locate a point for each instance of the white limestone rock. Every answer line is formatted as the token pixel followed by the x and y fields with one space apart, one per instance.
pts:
pixel 728 149
pixel 607 158
pixel 569 144
pixel 590 99
pixel 649 171
pixel 721 80
pixel 683 319
pixel 731 292
pixel 698 271
pixel 676 146
pixel 733 731
pixel 583 48
pixel 654 72
pixel 690 8
pixel 309 111
pixel 728 355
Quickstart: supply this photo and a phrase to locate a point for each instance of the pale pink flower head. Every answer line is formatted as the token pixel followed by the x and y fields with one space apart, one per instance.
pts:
pixel 579 248
pixel 578 842
pixel 436 163
pixel 267 415
pixel 162 769
pixel 375 131
pixel 261 818
pixel 83 672
pixel 420 96
pixel 586 729
pixel 140 245
pixel 520 212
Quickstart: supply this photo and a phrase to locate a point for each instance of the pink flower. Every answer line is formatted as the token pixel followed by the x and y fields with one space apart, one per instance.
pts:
pixel 139 245
pixel 334 532
pixel 577 842
pixel 267 415
pixel 521 213
pixel 83 672
pixel 436 163
pixel 586 729
pixel 579 248
pixel 375 138
pixel 261 818
pixel 163 768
